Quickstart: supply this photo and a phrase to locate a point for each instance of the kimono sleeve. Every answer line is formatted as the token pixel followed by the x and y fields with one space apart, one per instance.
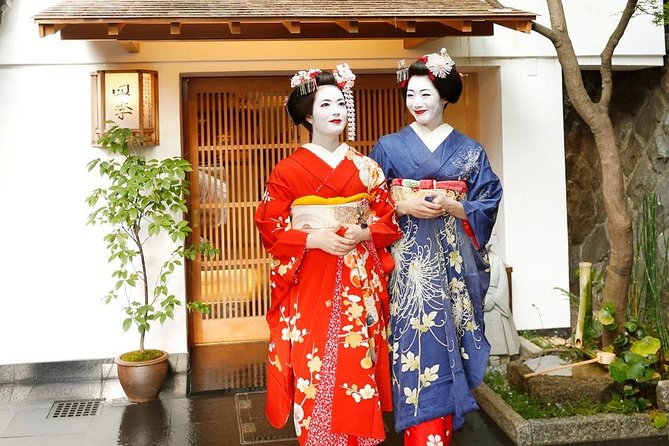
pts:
pixel 384 227
pixel 382 223
pixel 286 245
pixel 483 197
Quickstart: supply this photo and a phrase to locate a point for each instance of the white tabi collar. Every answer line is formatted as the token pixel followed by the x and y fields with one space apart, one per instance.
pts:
pixel 333 158
pixel 432 138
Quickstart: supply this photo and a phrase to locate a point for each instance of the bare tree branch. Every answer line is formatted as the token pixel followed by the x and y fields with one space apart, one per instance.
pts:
pixel 537 27
pixel 573 78
pixel 545 31
pixel 607 53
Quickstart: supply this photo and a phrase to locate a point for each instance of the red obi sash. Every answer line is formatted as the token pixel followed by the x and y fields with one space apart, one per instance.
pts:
pixel 406 189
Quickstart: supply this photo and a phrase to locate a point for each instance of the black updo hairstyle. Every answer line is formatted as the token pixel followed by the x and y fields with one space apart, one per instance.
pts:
pixel 300 106
pixel 449 87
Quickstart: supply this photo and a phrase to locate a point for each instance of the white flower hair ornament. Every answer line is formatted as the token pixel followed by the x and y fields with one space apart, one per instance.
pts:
pixel 306 80
pixel 345 80
pixel 439 65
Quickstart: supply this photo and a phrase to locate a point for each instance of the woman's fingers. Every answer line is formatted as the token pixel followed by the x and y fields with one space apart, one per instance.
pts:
pixel 432 210
pixel 339 245
pixel 433 206
pixel 347 243
pixel 422 208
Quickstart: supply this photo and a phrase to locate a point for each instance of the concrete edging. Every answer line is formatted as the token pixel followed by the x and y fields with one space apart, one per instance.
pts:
pixel 566 430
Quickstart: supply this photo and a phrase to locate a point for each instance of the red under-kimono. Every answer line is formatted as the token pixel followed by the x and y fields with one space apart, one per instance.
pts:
pixel 328 352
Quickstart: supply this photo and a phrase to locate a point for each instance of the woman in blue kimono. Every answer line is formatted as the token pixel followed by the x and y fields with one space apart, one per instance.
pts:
pixel 447 198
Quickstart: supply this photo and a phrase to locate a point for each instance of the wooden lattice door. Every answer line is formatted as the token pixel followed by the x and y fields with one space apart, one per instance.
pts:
pixel 236 131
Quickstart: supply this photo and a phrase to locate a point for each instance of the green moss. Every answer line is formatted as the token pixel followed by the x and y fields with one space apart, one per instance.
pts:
pixel 139 356
pixel 534 338
pixel 530 408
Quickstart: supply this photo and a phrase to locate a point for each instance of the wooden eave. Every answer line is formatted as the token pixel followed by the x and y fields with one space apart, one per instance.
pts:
pixel 132 20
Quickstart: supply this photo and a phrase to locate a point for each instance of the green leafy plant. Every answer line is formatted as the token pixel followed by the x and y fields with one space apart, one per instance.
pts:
pixel 140 203
pixel 606 316
pixel 636 366
pixel 636 363
pixel 657 9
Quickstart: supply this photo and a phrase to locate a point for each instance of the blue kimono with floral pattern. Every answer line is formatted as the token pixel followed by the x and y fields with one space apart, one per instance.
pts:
pixel 439 351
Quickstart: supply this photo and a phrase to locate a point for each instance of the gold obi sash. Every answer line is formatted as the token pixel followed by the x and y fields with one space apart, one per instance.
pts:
pixel 405 189
pixel 311 213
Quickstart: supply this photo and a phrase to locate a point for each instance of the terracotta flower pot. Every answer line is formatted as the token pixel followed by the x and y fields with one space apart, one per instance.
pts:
pixel 142 381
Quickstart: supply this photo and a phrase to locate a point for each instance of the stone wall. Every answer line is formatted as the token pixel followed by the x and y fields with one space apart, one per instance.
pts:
pixel 640 114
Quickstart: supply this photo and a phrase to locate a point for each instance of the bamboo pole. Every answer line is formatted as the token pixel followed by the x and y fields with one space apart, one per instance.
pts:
pixel 585 302
pixel 604 358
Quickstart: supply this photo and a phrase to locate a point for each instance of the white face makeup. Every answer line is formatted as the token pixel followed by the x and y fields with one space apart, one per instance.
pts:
pixel 329 113
pixel 424 103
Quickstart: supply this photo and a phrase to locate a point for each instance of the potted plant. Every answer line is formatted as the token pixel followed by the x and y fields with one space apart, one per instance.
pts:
pixel 139 204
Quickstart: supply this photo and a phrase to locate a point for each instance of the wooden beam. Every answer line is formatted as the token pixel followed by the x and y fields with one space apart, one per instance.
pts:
pixel 235 27
pixel 524 26
pixel 464 26
pixel 49 29
pixel 130 46
pixel 350 26
pixel 114 29
pixel 175 28
pixel 411 43
pixel 293 27
pixel 408 26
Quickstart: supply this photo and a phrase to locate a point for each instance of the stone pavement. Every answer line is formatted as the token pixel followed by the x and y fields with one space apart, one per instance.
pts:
pixel 82 403
pixel 27 418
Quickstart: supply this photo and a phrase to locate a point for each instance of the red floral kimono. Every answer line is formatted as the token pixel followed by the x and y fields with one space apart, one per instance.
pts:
pixel 328 352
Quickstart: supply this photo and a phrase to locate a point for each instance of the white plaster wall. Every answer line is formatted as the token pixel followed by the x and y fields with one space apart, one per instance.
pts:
pixel 590 23
pixel 53 268
pixel 535 217
pixel 523 137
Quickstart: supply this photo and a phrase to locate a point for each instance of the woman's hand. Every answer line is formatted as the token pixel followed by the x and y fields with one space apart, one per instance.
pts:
pixel 451 206
pixel 420 208
pixel 357 233
pixel 329 241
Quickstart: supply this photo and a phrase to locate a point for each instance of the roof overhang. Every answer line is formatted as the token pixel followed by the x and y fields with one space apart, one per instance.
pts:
pixel 136 20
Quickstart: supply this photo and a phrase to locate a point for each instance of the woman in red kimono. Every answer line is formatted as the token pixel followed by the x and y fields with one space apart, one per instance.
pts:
pixel 326 219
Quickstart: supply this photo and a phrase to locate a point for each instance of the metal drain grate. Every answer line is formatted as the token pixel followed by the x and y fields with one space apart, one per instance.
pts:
pixel 76 408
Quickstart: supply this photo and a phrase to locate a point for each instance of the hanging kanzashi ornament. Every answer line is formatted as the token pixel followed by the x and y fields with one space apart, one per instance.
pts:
pixel 402 72
pixel 345 80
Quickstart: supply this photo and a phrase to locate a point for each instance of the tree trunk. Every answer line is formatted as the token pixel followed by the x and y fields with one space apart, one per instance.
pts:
pixel 140 248
pixel 596 116
pixel 619 224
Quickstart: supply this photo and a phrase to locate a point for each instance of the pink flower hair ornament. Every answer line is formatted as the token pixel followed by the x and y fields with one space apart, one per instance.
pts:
pixel 305 80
